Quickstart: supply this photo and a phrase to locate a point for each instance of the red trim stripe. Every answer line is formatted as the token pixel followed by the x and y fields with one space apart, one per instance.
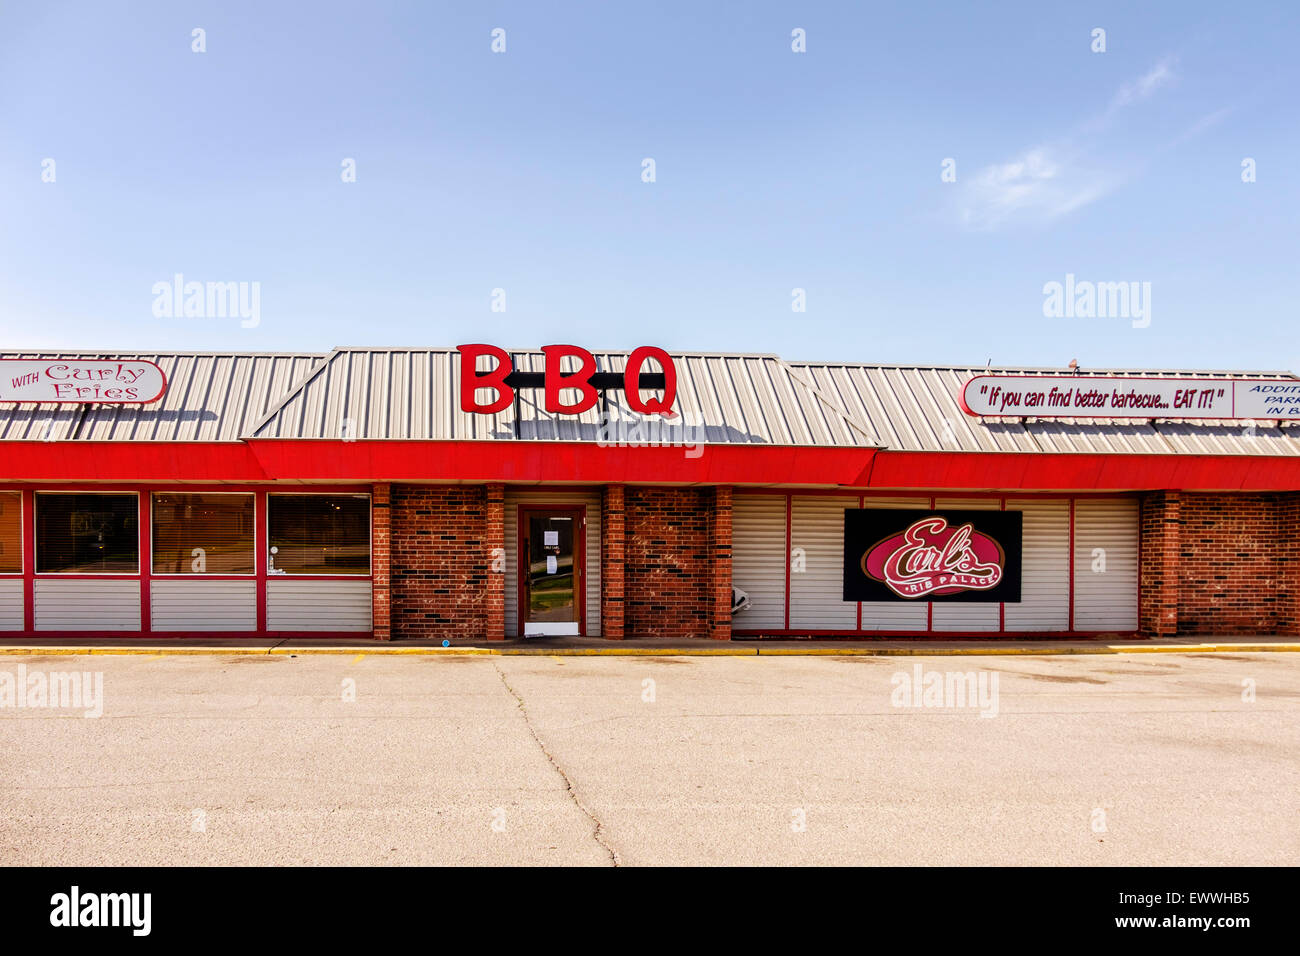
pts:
pixel 144 501
pixel 29 560
pixel 929 605
pixel 1002 605
pixel 789 511
pixel 261 553
pixel 1070 622
pixel 862 503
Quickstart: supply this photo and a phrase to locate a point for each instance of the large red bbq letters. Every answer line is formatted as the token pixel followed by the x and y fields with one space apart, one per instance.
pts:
pixel 554 380
pixel 471 380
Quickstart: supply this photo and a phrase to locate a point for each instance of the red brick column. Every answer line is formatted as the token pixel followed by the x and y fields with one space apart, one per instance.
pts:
pixel 612 561
pixel 1161 547
pixel 495 540
pixel 720 565
pixel 380 569
pixel 1288 564
pixel 667 589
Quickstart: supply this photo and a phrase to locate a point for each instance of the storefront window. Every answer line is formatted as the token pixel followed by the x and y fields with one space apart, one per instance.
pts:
pixel 11 532
pixel 202 534
pixel 318 534
pixel 85 533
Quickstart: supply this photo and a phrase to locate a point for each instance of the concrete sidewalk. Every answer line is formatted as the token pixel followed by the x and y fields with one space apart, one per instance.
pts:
pixel 594 646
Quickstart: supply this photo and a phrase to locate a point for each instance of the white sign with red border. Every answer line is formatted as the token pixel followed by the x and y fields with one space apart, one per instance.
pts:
pixel 1096 396
pixel 74 381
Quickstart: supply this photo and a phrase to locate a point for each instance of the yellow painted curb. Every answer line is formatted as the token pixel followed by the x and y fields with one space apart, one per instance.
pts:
pixel 46 651
pixel 1213 648
pixel 631 652
pixel 382 651
pixel 923 651
pixel 731 650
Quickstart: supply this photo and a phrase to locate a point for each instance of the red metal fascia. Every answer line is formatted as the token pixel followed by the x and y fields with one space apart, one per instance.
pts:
pixel 1068 472
pixel 480 461
pixel 467 461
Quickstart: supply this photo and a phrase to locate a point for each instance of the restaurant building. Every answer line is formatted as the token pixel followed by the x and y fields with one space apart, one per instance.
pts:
pixel 474 494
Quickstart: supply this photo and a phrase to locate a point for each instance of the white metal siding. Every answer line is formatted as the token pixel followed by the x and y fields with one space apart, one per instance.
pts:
pixel 560 498
pixel 84 604
pixel 758 559
pixel 817 538
pixel 339 604
pixel 1045 567
pixel 911 408
pixel 193 604
pixel 210 396
pixel 964 616
pixel 1106 600
pixel 11 604
pixel 900 615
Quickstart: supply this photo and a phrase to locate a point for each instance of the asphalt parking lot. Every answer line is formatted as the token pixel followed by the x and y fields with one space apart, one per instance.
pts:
pixel 1179 759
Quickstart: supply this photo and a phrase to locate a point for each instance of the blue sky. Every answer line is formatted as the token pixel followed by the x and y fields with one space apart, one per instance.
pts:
pixel 774 170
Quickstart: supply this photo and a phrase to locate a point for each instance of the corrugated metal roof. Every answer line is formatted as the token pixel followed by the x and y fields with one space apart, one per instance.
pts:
pixel 211 396
pixel 915 408
pixel 415 394
pixel 721 398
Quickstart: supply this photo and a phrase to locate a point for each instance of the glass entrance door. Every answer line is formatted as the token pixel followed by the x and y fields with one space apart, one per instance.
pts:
pixel 552 571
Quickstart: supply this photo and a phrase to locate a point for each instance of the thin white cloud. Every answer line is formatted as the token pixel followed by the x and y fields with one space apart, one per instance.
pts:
pixel 1050 180
pixel 1202 124
pixel 1042 184
pixel 1160 75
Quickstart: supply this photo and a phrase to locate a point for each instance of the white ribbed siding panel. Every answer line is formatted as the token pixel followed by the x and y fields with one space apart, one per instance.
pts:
pixel 1106 600
pixel 758 559
pixel 339 604
pixel 817 593
pixel 11 604
pixel 966 616
pixel 84 604
pixel 193 604
pixel 900 615
pixel 1044 567
pixel 915 408
pixel 560 499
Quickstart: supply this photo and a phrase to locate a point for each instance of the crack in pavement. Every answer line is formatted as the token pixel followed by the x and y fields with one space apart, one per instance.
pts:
pixel 598 831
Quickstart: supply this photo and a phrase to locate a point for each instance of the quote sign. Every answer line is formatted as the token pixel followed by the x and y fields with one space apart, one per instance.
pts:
pixel 893 554
pixel 81 380
pixel 1076 396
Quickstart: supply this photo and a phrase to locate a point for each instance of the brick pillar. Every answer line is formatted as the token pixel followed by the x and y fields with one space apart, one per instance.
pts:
pixel 612 560
pixel 380 569
pixel 1161 548
pixel 495 539
pixel 720 565
pixel 1288 564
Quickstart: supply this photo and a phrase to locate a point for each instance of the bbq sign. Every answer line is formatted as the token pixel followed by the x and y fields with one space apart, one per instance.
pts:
pixel 503 381
pixel 892 555
pixel 134 382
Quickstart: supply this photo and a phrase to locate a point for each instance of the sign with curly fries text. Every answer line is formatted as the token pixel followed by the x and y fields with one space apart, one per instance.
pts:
pixel 133 381
pixel 908 554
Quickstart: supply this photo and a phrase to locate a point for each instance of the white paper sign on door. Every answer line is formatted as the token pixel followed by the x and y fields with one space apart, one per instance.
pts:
pixel 551 566
pixel 551 539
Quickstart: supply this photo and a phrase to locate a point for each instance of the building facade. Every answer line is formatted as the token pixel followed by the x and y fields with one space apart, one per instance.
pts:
pixel 367 492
